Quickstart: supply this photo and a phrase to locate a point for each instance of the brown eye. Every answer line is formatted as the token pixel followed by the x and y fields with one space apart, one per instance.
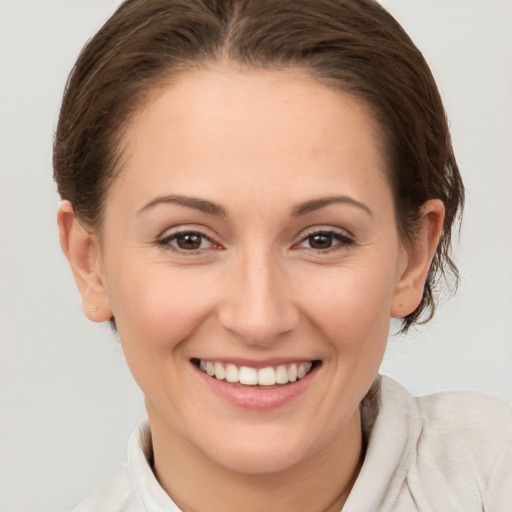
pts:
pixel 321 241
pixel 189 241
pixel 186 241
pixel 325 240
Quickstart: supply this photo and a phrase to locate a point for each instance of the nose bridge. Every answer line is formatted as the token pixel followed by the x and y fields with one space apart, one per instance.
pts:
pixel 258 306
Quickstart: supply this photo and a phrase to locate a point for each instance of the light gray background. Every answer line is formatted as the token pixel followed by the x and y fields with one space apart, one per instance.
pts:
pixel 68 402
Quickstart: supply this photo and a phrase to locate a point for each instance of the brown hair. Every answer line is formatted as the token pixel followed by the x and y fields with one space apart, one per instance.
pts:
pixel 354 45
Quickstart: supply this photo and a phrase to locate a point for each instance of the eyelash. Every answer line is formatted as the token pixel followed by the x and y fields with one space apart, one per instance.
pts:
pixel 338 240
pixel 342 240
pixel 166 242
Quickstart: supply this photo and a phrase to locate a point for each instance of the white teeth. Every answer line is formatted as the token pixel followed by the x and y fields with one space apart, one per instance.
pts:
pixel 210 369
pixel 248 376
pixel 232 373
pixel 303 369
pixel 292 373
pixel 281 374
pixel 267 376
pixel 220 373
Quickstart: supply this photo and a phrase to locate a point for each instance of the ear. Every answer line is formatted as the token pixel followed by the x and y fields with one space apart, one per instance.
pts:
pixel 83 253
pixel 418 256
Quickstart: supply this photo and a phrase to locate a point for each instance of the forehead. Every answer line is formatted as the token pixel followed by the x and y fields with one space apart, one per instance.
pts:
pixel 256 127
pixel 282 99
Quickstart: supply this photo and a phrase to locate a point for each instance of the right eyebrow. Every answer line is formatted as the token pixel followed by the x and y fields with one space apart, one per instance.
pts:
pixel 321 202
pixel 190 202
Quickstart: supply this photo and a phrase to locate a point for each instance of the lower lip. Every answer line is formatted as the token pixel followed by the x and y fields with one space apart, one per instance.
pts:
pixel 257 397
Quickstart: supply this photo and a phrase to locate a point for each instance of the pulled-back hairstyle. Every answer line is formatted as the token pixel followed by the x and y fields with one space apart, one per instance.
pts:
pixel 352 45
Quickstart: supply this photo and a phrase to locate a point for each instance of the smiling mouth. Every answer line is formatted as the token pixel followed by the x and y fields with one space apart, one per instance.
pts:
pixel 248 376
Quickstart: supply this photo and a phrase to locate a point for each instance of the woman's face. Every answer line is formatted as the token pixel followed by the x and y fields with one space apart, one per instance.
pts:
pixel 252 233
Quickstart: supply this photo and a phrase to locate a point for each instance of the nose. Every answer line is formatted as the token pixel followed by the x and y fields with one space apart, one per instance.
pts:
pixel 258 304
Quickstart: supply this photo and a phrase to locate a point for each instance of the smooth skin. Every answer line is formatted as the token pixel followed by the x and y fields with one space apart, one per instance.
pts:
pixel 252 220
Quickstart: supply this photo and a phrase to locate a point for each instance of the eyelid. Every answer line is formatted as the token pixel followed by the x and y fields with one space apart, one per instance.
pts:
pixel 171 236
pixel 165 238
pixel 326 229
pixel 343 236
pixel 187 228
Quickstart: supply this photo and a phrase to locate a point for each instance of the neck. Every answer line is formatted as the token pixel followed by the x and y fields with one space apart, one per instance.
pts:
pixel 196 483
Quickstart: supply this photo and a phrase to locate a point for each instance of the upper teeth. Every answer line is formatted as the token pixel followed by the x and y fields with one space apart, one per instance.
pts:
pixel 249 376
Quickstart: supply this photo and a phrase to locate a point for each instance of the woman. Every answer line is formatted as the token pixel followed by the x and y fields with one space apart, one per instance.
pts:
pixel 252 190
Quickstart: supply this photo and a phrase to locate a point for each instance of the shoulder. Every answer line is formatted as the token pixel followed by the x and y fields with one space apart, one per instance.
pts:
pixel 444 452
pixel 468 432
pixel 455 422
pixel 461 449
pixel 134 487
pixel 467 428
pixel 116 494
pixel 454 417
pixel 469 414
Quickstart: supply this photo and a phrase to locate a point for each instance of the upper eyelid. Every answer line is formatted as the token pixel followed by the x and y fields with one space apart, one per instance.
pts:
pixel 167 236
pixel 341 240
pixel 173 234
pixel 166 243
pixel 173 231
pixel 319 229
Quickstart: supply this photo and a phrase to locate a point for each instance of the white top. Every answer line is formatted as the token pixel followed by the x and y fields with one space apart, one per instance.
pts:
pixel 447 452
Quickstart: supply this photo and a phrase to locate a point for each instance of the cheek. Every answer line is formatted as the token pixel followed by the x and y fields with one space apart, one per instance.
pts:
pixel 351 306
pixel 158 308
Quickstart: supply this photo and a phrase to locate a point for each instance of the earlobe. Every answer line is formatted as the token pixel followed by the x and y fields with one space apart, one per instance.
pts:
pixel 82 251
pixel 418 258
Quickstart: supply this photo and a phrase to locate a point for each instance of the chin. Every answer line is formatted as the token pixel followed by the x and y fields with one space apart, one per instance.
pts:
pixel 257 463
pixel 262 454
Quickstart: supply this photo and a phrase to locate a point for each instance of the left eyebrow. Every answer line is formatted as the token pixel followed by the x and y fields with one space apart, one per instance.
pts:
pixel 321 202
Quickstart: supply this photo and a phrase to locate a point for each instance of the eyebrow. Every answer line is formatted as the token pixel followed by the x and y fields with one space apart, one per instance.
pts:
pixel 211 208
pixel 190 202
pixel 321 202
